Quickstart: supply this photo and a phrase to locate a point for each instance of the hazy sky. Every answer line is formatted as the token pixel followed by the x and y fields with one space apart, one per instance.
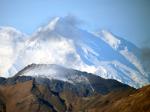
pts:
pixel 129 19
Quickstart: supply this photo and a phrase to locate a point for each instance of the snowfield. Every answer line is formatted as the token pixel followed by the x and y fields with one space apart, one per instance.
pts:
pixel 63 43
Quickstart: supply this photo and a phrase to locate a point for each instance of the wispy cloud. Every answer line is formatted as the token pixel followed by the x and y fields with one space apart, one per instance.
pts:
pixel 10 43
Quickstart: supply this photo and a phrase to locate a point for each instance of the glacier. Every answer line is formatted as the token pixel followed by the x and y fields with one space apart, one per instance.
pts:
pixel 65 43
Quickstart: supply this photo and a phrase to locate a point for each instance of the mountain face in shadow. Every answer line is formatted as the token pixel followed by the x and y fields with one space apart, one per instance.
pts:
pixel 25 94
pixel 60 78
pixel 53 88
pixel 28 96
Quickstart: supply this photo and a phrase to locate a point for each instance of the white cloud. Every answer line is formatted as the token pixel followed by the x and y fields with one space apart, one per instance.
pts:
pixel 59 51
pixel 61 42
pixel 9 47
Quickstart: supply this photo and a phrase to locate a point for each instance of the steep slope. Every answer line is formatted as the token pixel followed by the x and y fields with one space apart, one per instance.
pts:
pixel 28 97
pixel 39 93
pixel 63 42
pixel 139 101
pixel 31 90
pixel 99 103
pixel 80 82
pixel 26 94
pixel 118 101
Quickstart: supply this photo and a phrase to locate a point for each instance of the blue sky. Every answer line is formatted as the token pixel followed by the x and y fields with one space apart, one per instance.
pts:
pixel 129 19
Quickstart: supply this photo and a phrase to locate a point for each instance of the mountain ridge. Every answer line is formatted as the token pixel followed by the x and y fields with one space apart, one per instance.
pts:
pixel 56 73
pixel 24 93
pixel 63 42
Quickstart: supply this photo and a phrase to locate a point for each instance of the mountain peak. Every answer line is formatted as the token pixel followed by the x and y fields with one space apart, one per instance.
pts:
pixel 51 25
pixel 58 23
pixel 63 43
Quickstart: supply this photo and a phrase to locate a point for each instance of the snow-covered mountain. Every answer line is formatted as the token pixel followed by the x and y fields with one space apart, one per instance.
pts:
pixel 65 79
pixel 52 71
pixel 64 43
pixel 11 42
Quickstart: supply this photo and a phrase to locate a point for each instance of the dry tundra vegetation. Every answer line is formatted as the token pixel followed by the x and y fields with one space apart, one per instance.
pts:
pixel 28 96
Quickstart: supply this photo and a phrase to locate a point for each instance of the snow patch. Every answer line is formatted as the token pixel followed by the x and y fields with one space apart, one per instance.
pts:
pixel 110 39
pixel 133 59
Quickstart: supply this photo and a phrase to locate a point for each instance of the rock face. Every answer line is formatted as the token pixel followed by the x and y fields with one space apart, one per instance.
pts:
pixel 41 94
pixel 28 94
pixel 60 78
pixel 30 97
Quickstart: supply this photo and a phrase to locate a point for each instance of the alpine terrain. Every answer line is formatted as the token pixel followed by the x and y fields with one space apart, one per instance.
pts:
pixel 64 43
pixel 64 68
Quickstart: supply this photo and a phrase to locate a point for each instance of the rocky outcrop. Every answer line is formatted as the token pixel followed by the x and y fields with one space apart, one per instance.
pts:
pixel 29 96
